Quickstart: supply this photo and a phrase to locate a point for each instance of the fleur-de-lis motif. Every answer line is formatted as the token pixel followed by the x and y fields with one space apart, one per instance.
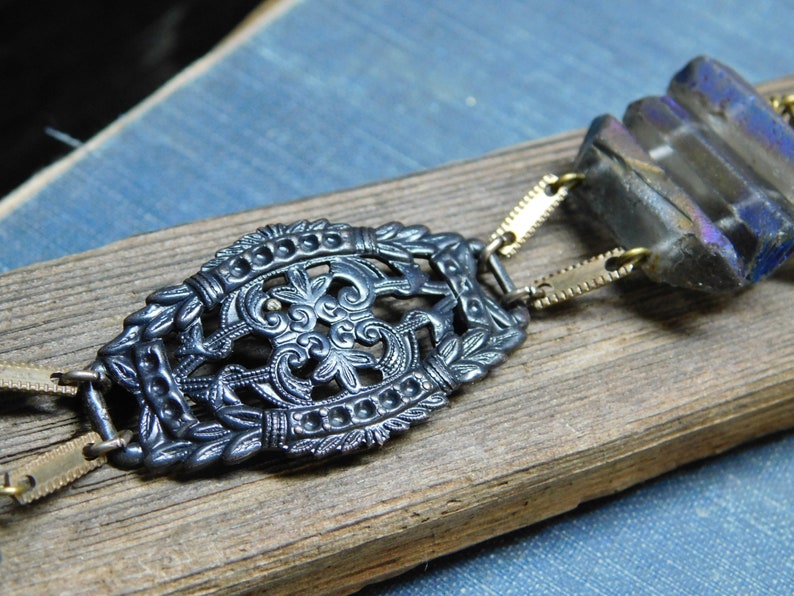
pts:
pixel 301 288
pixel 231 363
pixel 341 365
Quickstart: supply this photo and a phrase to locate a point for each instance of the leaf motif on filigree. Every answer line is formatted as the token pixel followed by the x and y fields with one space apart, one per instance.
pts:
pixel 352 440
pixel 171 295
pixel 237 358
pixel 206 454
pixel 240 417
pixel 188 313
pixel 397 425
pixel 376 435
pixel 341 365
pixel 207 431
pixel 302 289
pixel 467 371
pixel 243 446
pixel 121 368
pixel 473 340
pixel 169 454
pixel 149 427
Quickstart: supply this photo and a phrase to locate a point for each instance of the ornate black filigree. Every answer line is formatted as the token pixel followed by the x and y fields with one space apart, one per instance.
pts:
pixel 307 339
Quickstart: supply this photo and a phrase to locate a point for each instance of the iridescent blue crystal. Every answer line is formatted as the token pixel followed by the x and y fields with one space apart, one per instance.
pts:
pixel 703 177
pixel 638 203
pixel 742 118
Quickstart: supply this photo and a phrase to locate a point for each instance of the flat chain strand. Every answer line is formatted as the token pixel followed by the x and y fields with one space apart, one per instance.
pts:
pixel 60 466
pixel 27 378
pixel 65 463
pixel 52 470
pixel 532 211
pixel 524 220
pixel 582 277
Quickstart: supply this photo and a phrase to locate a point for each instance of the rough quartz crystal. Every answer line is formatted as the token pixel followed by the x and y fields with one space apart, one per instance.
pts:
pixel 703 177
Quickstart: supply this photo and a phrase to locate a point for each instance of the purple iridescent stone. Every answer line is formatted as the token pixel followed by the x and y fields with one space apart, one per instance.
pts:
pixel 703 177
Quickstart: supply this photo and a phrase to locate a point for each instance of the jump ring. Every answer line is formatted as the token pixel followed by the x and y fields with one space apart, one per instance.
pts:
pixel 568 180
pixel 490 249
pixel 633 256
pixel 525 293
pixel 78 377
pixel 120 441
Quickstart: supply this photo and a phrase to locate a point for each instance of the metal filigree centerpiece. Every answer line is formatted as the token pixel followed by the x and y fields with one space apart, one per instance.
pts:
pixel 312 338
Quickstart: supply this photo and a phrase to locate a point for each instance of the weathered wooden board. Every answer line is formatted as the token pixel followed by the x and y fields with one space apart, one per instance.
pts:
pixel 614 389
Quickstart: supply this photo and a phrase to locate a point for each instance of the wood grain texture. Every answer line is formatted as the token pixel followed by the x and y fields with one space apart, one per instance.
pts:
pixel 619 387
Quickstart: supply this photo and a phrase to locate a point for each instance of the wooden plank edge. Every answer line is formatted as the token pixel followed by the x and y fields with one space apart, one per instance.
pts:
pixel 526 502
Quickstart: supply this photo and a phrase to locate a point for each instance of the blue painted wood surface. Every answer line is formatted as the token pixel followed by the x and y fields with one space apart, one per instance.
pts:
pixel 337 94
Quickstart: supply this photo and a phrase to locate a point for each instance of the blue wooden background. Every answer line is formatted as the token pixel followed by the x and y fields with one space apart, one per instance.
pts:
pixel 333 94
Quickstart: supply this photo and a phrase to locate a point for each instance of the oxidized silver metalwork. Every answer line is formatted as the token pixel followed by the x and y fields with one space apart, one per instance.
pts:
pixel 310 338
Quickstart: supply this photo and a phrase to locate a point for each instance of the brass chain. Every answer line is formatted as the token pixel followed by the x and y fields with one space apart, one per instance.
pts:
pixel 784 105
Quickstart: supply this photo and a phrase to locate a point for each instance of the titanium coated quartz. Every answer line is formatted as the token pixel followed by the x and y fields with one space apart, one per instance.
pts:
pixel 703 177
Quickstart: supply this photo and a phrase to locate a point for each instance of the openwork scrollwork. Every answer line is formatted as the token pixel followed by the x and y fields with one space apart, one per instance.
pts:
pixel 312 338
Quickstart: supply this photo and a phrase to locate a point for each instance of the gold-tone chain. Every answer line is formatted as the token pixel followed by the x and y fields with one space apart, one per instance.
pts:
pixel 27 378
pixel 67 462
pixel 525 218
pixel 784 105
pixel 60 466
pixel 534 209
